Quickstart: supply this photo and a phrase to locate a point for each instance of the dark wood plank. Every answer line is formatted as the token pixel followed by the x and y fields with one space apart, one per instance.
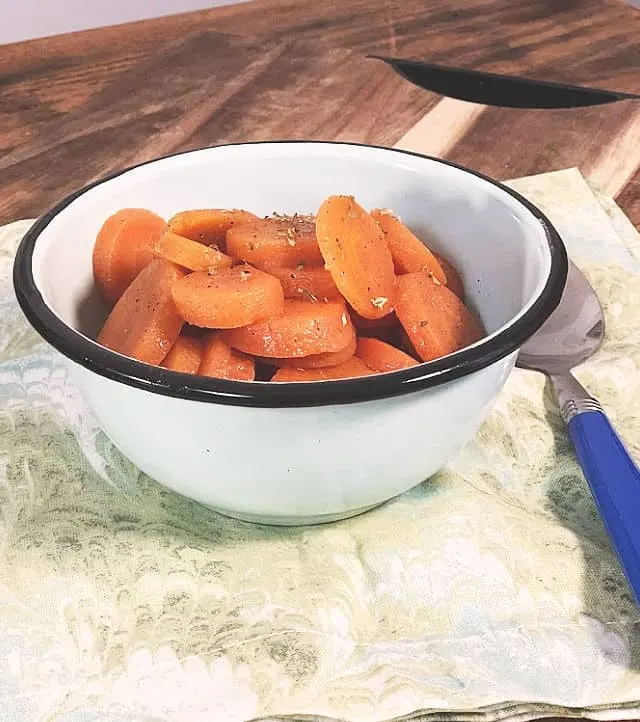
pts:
pixel 301 99
pixel 510 143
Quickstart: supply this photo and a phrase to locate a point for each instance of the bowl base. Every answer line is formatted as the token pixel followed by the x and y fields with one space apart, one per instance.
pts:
pixel 311 520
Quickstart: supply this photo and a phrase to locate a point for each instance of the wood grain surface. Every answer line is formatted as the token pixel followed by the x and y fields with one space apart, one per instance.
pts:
pixel 75 107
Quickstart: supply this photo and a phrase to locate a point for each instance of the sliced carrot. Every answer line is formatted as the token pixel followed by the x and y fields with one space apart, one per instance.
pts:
pixel 124 246
pixel 404 343
pixel 349 369
pixel 228 298
pixel 208 226
pixel 220 361
pixel 304 329
pixel 324 360
pixel 454 281
pixel 305 284
pixel 383 357
pixel 357 256
pixel 144 324
pixel 185 355
pixel 275 241
pixel 436 321
pixel 409 253
pixel 375 324
pixel 194 331
pixel 190 254
pixel 315 361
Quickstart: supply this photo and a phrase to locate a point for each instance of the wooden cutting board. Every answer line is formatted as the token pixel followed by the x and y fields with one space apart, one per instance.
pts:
pixel 604 142
pixel 76 107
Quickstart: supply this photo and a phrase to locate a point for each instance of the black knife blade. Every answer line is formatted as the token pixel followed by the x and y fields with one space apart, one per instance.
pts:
pixel 505 91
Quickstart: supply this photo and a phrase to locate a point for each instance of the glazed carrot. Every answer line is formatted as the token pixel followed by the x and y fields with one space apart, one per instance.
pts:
pixel 208 226
pixel 145 323
pixel 185 355
pixel 382 357
pixel 373 324
pixel 404 344
pixel 436 321
pixel 190 254
pixel 409 253
pixel 357 256
pixel 123 248
pixel 304 329
pixel 454 282
pixel 228 298
pixel 349 369
pixel 282 241
pixel 315 361
pixel 221 361
pixel 305 284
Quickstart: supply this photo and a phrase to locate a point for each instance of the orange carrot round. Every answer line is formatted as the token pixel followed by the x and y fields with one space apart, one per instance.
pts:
pixel 409 253
pixel 185 355
pixel 303 329
pixel 315 361
pixel 124 246
pixel 278 241
pixel 436 321
pixel 357 256
pixel 208 226
pixel 454 281
pixel 373 324
pixel 349 369
pixel 220 361
pixel 228 298
pixel 190 254
pixel 382 357
pixel 305 284
pixel 144 324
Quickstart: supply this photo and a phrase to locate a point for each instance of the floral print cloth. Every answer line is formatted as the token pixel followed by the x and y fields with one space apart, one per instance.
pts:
pixel 489 591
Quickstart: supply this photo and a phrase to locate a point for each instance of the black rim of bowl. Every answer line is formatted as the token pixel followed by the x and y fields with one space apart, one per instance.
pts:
pixel 104 362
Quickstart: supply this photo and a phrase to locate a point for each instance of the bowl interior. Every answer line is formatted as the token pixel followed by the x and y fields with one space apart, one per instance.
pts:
pixel 498 244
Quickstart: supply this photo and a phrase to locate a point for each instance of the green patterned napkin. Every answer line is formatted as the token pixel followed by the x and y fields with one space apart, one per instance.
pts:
pixel 489 591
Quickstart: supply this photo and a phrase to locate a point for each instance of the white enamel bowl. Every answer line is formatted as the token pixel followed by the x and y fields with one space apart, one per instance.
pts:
pixel 313 452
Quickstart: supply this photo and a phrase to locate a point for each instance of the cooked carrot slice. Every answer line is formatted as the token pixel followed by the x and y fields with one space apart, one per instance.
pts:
pixel 382 357
pixel 436 321
pixel 454 281
pixel 349 369
pixel 190 254
pixel 315 361
pixel 228 298
pixel 305 284
pixel 324 360
pixel 304 329
pixel 357 256
pixel 145 323
pixel 373 324
pixel 221 361
pixel 208 226
pixel 185 355
pixel 124 246
pixel 275 241
pixel 404 343
pixel 409 253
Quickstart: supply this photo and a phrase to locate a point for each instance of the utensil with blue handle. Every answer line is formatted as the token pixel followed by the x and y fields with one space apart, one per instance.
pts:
pixel 571 335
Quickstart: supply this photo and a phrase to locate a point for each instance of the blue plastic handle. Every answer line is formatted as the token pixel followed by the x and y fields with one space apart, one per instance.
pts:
pixel 614 480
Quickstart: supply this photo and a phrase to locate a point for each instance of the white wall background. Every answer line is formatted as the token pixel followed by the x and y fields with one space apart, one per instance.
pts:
pixel 26 19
